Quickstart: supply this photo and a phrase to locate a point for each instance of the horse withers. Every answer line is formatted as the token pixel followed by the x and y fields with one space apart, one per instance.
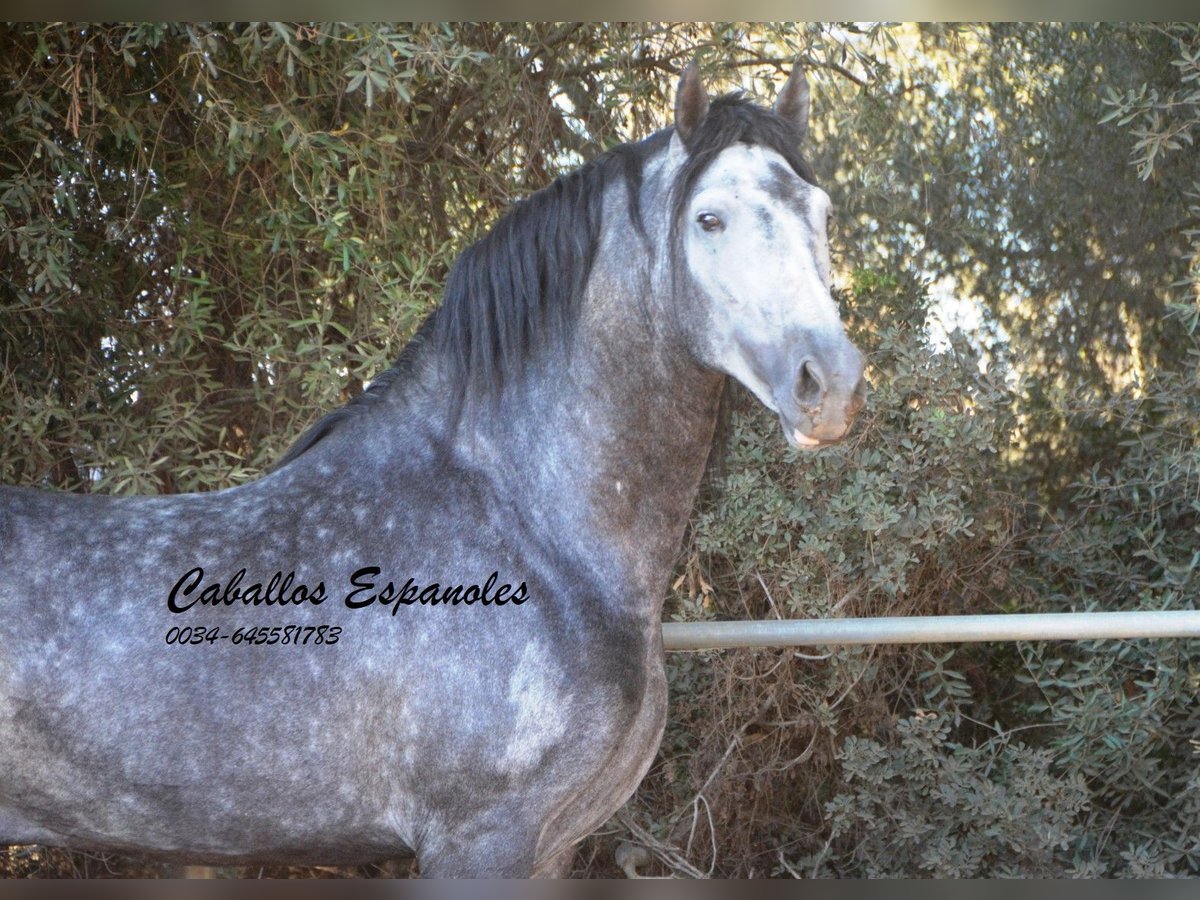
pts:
pixel 435 626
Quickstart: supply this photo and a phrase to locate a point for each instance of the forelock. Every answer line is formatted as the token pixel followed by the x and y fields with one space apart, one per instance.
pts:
pixel 734 119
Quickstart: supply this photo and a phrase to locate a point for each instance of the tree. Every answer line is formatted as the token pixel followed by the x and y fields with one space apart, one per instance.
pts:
pixel 979 157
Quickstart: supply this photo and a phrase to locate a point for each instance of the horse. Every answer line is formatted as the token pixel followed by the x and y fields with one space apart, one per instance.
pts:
pixel 434 627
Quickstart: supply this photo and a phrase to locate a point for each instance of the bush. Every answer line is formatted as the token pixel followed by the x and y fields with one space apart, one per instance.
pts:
pixel 1124 715
pixel 923 806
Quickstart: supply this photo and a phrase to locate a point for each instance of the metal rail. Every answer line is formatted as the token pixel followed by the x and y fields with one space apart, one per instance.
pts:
pixel 932 629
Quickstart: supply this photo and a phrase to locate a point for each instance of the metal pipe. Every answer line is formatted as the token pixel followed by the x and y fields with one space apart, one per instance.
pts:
pixel 932 629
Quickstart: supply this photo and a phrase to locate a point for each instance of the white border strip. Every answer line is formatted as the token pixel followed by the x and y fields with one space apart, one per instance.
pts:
pixel 932 629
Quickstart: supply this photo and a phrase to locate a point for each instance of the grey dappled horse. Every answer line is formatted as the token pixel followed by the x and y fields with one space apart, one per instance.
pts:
pixel 449 592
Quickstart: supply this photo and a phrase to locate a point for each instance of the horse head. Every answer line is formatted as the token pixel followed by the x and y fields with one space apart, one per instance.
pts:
pixel 751 235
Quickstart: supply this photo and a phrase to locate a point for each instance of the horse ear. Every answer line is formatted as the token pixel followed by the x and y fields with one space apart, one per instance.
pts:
pixel 792 102
pixel 691 102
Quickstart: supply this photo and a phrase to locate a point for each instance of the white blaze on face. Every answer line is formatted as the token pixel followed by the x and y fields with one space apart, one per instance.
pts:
pixel 755 241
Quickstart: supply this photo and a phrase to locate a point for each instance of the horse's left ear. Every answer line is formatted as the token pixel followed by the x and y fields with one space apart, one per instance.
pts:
pixel 792 102
pixel 691 102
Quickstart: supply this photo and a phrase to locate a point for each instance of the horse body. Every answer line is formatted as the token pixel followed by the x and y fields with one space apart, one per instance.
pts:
pixel 486 738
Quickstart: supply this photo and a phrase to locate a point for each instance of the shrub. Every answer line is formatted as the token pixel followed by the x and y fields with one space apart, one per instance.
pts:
pixel 923 805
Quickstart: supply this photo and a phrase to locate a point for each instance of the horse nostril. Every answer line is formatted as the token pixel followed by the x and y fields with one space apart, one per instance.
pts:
pixel 810 386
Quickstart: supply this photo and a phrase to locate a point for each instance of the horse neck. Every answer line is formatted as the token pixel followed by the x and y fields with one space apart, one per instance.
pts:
pixel 606 445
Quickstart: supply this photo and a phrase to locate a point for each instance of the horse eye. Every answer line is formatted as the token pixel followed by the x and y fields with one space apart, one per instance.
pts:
pixel 709 222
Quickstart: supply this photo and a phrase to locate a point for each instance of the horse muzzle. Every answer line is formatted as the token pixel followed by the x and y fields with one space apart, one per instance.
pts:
pixel 819 395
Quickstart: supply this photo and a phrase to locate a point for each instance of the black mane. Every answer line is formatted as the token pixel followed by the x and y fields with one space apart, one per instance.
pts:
pixel 519 287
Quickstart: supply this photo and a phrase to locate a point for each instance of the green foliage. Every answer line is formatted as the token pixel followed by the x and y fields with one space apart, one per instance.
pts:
pixel 977 157
pixel 924 806
pixel 1125 716
pixel 1162 124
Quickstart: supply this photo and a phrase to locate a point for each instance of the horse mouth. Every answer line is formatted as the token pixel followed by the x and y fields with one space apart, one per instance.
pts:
pixel 802 441
pixel 814 437
pixel 812 426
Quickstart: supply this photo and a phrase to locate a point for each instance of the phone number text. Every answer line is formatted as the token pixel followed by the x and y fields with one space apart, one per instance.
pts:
pixel 296 635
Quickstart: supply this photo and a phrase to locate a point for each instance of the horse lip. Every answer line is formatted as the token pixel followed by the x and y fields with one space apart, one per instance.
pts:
pixel 798 438
pixel 802 441
pixel 804 434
